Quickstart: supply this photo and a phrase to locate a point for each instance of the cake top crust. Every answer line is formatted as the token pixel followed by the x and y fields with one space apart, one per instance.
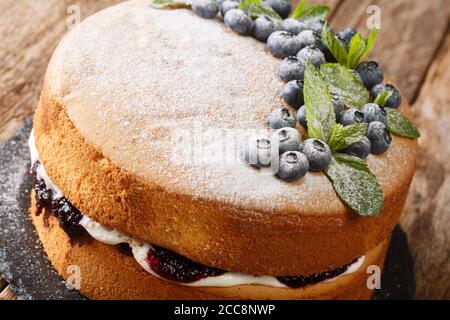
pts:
pixel 169 97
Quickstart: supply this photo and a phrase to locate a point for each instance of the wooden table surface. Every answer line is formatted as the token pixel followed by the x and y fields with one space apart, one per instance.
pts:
pixel 413 48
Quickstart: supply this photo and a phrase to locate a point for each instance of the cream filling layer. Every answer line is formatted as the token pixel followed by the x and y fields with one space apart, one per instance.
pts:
pixel 140 249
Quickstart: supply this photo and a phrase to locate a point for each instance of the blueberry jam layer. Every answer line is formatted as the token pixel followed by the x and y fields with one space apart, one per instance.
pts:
pixel 174 267
pixel 158 261
pixel 67 214
pixel 164 263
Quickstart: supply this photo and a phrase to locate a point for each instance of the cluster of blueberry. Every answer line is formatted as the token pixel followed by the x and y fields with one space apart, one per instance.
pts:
pixel 295 157
pixel 315 155
pixel 298 42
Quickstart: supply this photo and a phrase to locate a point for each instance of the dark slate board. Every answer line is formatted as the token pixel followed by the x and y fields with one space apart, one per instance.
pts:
pixel 25 266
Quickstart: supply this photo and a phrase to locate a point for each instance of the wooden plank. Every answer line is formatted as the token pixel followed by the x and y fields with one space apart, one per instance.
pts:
pixel 411 32
pixel 3 283
pixel 7 294
pixel 427 213
pixel 30 30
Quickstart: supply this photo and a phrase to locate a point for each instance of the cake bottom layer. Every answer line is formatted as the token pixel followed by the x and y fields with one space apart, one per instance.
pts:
pixel 105 273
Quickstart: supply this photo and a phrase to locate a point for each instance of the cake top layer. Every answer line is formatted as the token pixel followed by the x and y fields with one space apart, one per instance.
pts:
pixel 170 97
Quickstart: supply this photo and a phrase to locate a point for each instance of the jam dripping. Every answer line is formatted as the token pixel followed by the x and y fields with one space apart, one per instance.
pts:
pixel 295 282
pixel 174 267
pixel 68 215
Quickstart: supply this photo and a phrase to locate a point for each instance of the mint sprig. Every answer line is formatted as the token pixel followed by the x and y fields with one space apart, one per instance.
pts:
pixel 355 184
pixel 400 125
pixel 351 178
pixel 256 8
pixel 359 47
pixel 319 109
pixel 306 12
pixel 344 136
pixel 345 84
pixel 335 45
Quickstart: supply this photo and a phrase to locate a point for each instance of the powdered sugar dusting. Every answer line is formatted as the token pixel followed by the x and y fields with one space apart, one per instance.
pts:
pixel 133 77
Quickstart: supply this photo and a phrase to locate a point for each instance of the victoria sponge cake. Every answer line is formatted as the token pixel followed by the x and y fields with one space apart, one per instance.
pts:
pixel 140 179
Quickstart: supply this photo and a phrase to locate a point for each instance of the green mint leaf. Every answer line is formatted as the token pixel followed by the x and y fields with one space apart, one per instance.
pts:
pixel 303 11
pixel 345 84
pixel 343 137
pixel 356 49
pixel 256 8
pixel 299 9
pixel 355 184
pixel 370 43
pixel 382 98
pixel 400 125
pixel 335 46
pixel 171 4
pixel 319 109
pixel 317 12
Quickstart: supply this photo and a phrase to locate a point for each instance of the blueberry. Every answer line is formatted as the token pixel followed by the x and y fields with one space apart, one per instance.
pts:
pixel 288 139
pixel 281 118
pixel 293 93
pixel 264 27
pixel 227 5
pixel 293 26
pixel 371 73
pixel 282 7
pixel 318 154
pixel 292 69
pixel 351 116
pixel 310 38
pixel 379 136
pixel 258 151
pixel 283 44
pixel 301 117
pixel 338 105
pixel 293 166
pixel 373 112
pixel 207 9
pixel 313 55
pixel 238 21
pixel 394 101
pixel 360 149
pixel 317 26
pixel 345 36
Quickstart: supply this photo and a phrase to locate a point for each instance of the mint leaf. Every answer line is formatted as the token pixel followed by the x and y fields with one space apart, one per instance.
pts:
pixel 343 137
pixel 370 42
pixel 335 46
pixel 382 98
pixel 171 4
pixel 355 184
pixel 299 9
pixel 345 84
pixel 400 125
pixel 319 109
pixel 303 11
pixel 359 48
pixel 317 12
pixel 256 8
pixel 356 49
